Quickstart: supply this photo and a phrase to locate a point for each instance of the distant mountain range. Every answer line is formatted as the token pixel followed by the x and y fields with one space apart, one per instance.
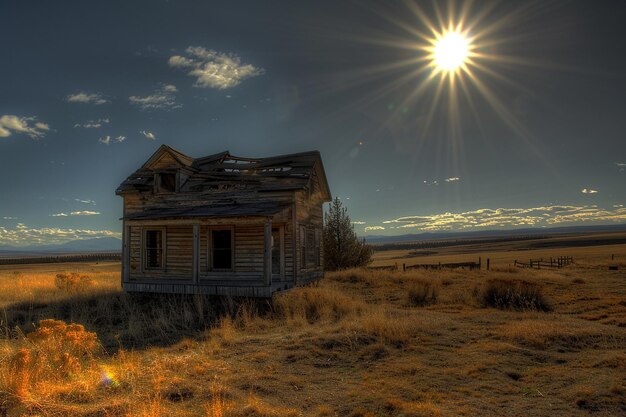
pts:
pixel 101 244
pixel 112 244
pixel 416 237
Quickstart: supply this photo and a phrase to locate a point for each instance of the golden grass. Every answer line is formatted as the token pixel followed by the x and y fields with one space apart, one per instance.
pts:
pixel 360 343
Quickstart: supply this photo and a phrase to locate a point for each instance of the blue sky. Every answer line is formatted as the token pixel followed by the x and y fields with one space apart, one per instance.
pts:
pixel 91 89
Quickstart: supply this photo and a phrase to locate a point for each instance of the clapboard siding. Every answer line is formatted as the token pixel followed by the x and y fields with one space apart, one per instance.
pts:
pixel 179 253
pixel 249 248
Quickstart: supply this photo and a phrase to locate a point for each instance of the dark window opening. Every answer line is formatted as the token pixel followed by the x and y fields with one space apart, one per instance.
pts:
pixel 221 245
pixel 276 249
pixel 154 249
pixel 167 182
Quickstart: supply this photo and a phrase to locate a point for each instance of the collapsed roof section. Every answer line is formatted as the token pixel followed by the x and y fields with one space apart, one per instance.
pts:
pixel 224 173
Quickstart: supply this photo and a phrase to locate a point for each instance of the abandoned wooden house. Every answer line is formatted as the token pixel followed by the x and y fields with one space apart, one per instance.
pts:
pixel 223 224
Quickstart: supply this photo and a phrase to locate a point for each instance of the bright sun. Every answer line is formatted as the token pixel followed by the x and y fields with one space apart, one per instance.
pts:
pixel 451 51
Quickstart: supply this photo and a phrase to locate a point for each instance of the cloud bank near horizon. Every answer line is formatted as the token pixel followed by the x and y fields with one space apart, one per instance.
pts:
pixel 23 235
pixel 486 218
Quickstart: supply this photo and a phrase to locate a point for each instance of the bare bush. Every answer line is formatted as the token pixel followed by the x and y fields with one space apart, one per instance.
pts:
pixel 422 292
pixel 513 294
pixel 73 282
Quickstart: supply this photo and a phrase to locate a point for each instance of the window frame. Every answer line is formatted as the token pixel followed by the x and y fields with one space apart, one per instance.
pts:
pixel 281 234
pixel 144 248
pixel 209 257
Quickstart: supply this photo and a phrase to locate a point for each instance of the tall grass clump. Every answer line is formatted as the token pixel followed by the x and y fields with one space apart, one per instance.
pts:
pixel 513 294
pixel 311 304
pixel 422 292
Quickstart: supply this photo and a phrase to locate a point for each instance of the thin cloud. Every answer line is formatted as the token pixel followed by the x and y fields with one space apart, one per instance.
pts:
pixel 22 125
pixel 92 124
pixel 106 140
pixel 23 235
pixel 453 179
pixel 10 218
pixel 621 164
pixel 148 135
pixel 510 217
pixel 162 99
pixel 358 222
pixel 214 69
pixel 93 203
pixel 589 191
pixel 86 98
pixel 373 228
pixel 76 213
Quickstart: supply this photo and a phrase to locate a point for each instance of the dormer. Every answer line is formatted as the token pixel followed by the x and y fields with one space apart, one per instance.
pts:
pixel 170 169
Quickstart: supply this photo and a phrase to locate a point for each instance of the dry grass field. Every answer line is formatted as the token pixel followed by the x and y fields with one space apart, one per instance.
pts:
pixel 592 248
pixel 508 342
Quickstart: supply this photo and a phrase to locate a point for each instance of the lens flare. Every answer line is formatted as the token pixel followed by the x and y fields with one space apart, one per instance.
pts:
pixel 108 378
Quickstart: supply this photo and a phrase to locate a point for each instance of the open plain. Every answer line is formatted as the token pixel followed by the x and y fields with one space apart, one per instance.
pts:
pixel 358 343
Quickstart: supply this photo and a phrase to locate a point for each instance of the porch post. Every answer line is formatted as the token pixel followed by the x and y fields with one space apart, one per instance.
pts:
pixel 268 252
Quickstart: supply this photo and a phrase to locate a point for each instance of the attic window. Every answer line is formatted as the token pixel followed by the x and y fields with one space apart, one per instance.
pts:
pixel 166 182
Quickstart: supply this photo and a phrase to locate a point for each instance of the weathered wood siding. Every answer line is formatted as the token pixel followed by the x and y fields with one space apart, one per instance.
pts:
pixel 179 252
pixel 249 249
pixel 310 214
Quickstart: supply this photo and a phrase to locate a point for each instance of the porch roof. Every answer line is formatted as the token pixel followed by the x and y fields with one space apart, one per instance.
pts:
pixel 259 208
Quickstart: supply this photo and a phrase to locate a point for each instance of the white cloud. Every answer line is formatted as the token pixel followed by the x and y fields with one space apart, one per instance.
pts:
pixel 93 203
pixel 162 99
pixel 214 69
pixel 13 124
pixel 105 139
pixel 87 98
pixel 588 191
pixel 621 164
pixel 92 124
pixel 358 222
pixel 453 179
pixel 371 228
pixel 22 235
pixel 148 135
pixel 120 139
pixel 75 213
pixel 10 218
pixel 510 217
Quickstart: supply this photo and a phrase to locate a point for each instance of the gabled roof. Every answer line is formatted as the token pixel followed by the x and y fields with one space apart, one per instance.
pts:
pixel 224 172
pixel 180 157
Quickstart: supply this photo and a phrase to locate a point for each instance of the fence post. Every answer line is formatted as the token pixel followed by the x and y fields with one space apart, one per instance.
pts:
pixel 480 262
pixel 488 260
pixel 403 267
